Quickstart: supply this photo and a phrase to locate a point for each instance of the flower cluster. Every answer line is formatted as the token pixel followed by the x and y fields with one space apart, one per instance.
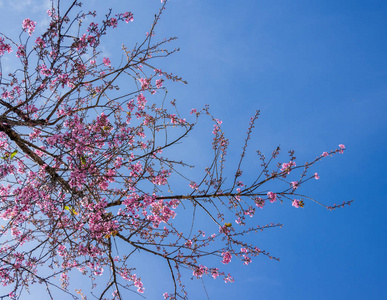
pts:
pixel 226 257
pixel 287 167
pixel 29 26
pixel 272 196
pixel 4 47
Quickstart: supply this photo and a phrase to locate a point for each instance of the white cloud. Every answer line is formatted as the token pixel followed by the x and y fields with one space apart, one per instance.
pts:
pixel 26 5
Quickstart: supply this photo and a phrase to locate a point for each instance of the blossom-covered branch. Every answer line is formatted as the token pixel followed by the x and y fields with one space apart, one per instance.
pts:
pixel 87 177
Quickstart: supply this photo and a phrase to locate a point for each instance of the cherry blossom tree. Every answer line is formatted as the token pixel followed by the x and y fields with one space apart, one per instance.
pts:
pixel 87 176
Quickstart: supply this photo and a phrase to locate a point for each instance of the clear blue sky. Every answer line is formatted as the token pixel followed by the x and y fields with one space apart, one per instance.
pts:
pixel 317 70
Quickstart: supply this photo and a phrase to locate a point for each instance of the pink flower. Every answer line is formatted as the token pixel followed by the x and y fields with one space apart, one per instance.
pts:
pixel 259 202
pixel 141 101
pixel 342 148
pixel 145 83
pixel 296 203
pixel 199 271
pixel 40 42
pixel 128 16
pixel 4 47
pixel 215 273
pixel 193 186
pixel 118 162
pixel 294 184
pixel 106 61
pixel 325 154
pixel 113 22
pixel 316 176
pixel 226 257
pixel 138 284
pixel 28 25
pixel 21 51
pixel 286 167
pixel 228 278
pixel 44 70
pixel 159 83
pixel 272 196
pixel 33 135
pixel 6 95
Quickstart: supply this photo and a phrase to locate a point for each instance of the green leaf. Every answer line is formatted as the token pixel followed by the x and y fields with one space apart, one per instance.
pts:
pixel 13 154
pixel 7 155
pixel 71 210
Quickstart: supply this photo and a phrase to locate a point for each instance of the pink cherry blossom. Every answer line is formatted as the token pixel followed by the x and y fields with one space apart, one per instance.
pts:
pixel 342 148
pixel 259 202
pixel 193 186
pixel 226 257
pixel 44 70
pixel 272 196
pixel 215 273
pixel 286 167
pixel 141 101
pixel 159 83
pixel 4 47
pixel 29 26
pixel 200 271
pixel 106 61
pixel 128 17
pixel 40 42
pixel 296 203
pixel 145 83
pixel 21 51
pixel 113 22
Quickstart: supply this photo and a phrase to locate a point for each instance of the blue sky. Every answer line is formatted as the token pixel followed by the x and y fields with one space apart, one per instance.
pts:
pixel 317 70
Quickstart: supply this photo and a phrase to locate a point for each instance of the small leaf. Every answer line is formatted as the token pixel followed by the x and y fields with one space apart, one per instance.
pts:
pixel 71 210
pixel 13 154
